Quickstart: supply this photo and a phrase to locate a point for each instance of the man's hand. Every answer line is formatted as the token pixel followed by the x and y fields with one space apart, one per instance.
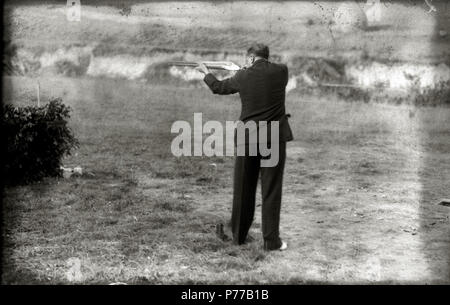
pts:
pixel 202 68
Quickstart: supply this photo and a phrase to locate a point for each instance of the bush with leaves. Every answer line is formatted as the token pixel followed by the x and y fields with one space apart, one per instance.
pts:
pixel 37 138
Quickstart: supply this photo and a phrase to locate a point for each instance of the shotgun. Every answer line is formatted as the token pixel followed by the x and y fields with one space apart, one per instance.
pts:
pixel 217 65
pixel 230 66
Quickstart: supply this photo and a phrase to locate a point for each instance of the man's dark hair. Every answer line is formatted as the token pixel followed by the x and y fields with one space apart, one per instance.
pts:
pixel 259 49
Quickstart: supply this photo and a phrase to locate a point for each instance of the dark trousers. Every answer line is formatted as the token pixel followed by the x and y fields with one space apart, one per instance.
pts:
pixel 246 174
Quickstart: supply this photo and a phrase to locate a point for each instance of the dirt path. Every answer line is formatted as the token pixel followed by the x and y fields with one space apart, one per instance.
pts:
pixel 349 215
pixel 340 235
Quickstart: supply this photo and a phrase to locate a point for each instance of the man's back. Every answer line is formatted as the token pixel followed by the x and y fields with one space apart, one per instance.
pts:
pixel 262 90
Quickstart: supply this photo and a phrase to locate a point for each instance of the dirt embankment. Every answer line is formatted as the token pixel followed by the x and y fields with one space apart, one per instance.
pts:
pixel 395 52
pixel 363 77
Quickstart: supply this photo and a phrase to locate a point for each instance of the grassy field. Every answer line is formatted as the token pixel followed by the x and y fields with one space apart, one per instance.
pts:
pixel 362 180
pixel 360 198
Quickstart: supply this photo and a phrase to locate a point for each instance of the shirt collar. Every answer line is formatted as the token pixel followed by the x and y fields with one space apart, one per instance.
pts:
pixel 259 61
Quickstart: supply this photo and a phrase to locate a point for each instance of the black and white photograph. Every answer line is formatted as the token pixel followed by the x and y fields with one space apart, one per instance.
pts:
pixel 225 143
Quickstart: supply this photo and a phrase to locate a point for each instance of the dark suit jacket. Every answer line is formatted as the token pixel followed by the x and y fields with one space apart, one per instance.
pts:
pixel 262 90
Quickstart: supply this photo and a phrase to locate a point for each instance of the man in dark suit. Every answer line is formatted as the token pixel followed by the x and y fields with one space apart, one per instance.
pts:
pixel 261 87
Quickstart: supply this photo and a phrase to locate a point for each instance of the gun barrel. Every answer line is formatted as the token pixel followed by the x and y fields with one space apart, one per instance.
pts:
pixel 183 64
pixel 217 65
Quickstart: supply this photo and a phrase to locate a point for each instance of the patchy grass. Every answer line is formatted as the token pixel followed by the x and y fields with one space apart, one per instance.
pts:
pixel 361 180
pixel 360 186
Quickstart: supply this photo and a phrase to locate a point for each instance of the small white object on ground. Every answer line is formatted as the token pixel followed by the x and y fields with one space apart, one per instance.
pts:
pixel 74 273
pixel 67 172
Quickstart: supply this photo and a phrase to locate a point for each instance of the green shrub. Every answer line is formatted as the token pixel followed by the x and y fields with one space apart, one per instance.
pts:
pixel 37 138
